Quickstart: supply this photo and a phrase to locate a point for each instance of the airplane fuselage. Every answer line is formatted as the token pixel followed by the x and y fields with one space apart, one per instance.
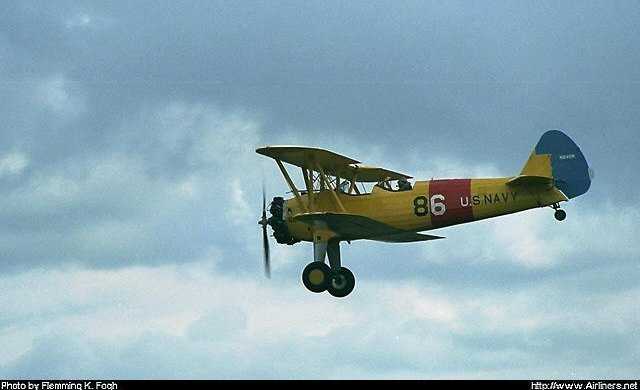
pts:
pixel 429 205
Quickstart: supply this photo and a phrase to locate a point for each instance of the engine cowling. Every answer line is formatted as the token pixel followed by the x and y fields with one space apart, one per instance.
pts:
pixel 278 223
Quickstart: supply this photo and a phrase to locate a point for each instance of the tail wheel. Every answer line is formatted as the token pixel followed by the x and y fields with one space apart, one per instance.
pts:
pixel 315 276
pixel 341 282
pixel 560 215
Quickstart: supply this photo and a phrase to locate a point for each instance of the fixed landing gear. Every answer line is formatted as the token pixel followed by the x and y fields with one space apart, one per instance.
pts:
pixel 560 214
pixel 318 276
pixel 341 282
pixel 315 276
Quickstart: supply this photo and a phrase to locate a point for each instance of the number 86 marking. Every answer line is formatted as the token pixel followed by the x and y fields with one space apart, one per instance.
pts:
pixel 437 206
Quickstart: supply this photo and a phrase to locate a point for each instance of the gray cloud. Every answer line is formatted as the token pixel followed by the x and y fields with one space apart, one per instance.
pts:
pixel 126 144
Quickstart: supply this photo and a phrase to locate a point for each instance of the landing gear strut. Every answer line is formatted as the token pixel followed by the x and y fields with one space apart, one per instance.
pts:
pixel 560 214
pixel 318 276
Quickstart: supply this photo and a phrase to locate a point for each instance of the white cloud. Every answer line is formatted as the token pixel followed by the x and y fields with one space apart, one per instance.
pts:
pixel 409 301
pixel 239 210
pixel 80 20
pixel 61 97
pixel 13 164
pixel 529 238
pixel 223 326
pixel 86 22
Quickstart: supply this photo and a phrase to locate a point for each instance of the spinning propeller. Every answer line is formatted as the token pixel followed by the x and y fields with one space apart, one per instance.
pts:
pixel 265 240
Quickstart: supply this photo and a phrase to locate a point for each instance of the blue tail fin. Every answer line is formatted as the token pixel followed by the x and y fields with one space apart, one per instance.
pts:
pixel 569 168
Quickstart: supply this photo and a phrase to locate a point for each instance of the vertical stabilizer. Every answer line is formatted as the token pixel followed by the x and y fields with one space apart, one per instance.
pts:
pixel 556 156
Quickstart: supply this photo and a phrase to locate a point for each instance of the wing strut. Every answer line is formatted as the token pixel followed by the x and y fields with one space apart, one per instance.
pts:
pixel 291 185
pixel 309 184
pixel 332 190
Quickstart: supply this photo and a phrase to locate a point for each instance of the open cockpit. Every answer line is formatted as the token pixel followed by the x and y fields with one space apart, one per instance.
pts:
pixel 323 170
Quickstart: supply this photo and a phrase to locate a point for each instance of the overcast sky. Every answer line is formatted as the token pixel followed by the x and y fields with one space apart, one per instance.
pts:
pixel 130 187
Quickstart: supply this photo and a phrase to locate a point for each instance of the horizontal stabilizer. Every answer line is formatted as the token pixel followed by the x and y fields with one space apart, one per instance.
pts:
pixel 355 227
pixel 531 180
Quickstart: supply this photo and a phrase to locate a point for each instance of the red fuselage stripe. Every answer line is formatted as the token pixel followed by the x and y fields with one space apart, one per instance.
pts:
pixel 457 193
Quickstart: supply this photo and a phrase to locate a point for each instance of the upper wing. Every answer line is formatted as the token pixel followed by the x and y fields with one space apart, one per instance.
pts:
pixel 308 157
pixel 354 227
pixel 332 163
pixel 374 174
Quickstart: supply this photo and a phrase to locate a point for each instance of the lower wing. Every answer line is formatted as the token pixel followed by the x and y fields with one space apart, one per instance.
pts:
pixel 355 227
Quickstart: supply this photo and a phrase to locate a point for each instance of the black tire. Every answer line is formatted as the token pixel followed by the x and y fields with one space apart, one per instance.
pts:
pixel 560 215
pixel 315 276
pixel 341 282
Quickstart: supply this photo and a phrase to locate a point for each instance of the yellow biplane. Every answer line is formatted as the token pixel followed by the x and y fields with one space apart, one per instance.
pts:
pixel 343 200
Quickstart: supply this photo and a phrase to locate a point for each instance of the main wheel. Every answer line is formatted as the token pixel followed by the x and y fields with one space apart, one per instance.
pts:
pixel 315 276
pixel 560 215
pixel 341 282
